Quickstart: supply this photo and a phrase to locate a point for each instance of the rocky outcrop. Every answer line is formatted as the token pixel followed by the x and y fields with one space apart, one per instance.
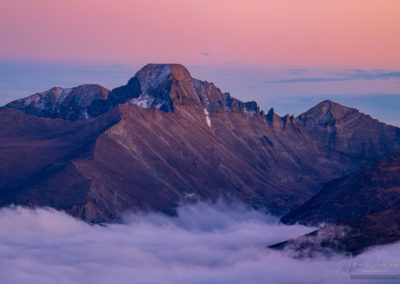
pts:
pixel 72 104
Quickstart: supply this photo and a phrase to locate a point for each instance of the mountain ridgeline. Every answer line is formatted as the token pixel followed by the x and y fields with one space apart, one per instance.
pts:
pixel 165 138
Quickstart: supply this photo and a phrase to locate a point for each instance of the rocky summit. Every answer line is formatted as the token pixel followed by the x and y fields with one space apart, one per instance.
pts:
pixel 165 138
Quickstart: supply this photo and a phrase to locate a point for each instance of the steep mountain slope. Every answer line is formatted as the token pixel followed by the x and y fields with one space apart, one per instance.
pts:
pixel 28 143
pixel 165 138
pixel 361 210
pixel 33 149
pixel 371 190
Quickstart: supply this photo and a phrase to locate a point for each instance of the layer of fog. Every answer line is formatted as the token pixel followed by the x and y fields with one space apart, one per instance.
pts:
pixel 204 244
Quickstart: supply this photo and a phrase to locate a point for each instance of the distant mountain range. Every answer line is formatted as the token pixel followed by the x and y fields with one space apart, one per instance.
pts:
pixel 165 138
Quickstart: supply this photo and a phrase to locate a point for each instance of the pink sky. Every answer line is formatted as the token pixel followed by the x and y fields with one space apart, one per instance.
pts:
pixel 339 33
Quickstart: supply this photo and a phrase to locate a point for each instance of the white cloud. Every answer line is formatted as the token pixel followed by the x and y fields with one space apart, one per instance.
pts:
pixel 204 244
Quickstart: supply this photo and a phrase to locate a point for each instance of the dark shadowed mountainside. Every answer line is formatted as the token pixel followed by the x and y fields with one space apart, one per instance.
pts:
pixel 371 190
pixel 349 237
pixel 366 204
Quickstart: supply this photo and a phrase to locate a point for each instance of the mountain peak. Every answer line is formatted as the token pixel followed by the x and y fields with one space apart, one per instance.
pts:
pixel 327 112
pixel 154 83
pixel 329 105
pixel 180 72
pixel 157 73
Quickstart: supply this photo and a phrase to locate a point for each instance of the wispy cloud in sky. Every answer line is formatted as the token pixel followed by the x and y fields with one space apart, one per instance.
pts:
pixel 335 76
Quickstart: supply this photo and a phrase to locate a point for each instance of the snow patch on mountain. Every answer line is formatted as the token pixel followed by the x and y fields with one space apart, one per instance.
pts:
pixel 144 101
pixel 39 101
pixel 208 120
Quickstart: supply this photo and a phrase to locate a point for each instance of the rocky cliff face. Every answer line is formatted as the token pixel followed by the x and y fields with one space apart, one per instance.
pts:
pixel 165 138
pixel 350 132
pixel 72 104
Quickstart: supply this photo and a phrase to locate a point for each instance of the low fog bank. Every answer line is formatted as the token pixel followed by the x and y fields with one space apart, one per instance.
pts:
pixel 204 244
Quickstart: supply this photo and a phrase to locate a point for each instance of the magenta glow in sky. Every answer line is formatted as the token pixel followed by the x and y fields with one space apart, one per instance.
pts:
pixel 284 54
pixel 339 33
